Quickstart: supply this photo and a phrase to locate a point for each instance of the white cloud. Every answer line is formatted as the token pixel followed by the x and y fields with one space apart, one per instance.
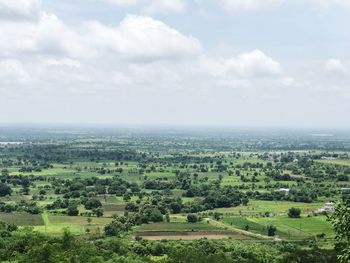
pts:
pixel 153 6
pixel 247 65
pixel 335 66
pixel 141 37
pixel 137 38
pixel 64 62
pixel 330 3
pixel 252 5
pixel 19 9
pixel 235 5
pixel 124 2
pixel 48 35
pixel 164 7
pixel 93 56
pixel 12 72
pixel 52 36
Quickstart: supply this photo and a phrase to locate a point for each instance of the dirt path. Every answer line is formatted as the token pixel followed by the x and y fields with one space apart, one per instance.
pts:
pixel 243 232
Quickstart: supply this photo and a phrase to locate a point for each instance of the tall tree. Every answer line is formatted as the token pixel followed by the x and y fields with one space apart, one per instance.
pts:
pixel 341 225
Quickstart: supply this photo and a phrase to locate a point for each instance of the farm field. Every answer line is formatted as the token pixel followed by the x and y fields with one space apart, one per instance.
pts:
pixel 345 162
pixel 187 231
pixel 287 228
pixel 177 227
pixel 180 235
pixel 75 224
pixel 22 219
pixel 257 207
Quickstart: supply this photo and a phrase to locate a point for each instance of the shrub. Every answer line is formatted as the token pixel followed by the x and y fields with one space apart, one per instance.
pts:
pixel 294 212
pixel 192 218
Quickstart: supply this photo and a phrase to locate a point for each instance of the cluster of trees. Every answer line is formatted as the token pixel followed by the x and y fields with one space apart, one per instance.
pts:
pixel 30 207
pixel 304 195
pixel 79 187
pixel 341 223
pixel 32 247
pixel 47 153
pixel 121 224
pixel 5 189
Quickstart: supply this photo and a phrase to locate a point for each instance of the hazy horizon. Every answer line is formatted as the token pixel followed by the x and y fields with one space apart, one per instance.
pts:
pixel 172 127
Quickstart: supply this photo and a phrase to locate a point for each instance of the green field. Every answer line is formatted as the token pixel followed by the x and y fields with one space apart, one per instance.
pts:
pixel 345 162
pixel 22 219
pixel 177 226
pixel 256 207
pixel 290 228
pixel 75 224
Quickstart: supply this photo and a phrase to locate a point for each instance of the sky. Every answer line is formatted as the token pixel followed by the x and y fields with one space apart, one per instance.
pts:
pixel 237 63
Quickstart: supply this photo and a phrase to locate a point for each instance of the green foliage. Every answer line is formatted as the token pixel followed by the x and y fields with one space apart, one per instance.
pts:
pixel 294 212
pixel 155 215
pixel 192 218
pixel 98 212
pixel 114 228
pixel 72 210
pixel 167 217
pixel 271 230
pixel 341 224
pixel 92 203
pixel 5 189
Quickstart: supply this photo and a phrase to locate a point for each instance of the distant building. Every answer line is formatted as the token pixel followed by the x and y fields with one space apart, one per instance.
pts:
pixel 328 158
pixel 345 190
pixel 329 207
pixel 283 190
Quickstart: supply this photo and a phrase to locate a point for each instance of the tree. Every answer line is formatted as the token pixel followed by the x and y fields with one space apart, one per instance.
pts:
pixel 175 207
pixel 294 212
pixel 72 210
pixel 167 217
pixel 127 197
pixel 5 190
pixel 98 212
pixel 217 216
pixel 343 178
pixel 92 204
pixel 341 223
pixel 271 230
pixel 220 177
pixel 156 215
pixel 25 182
pixel 4 172
pixel 25 190
pixel 245 201
pixel 114 228
pixel 192 218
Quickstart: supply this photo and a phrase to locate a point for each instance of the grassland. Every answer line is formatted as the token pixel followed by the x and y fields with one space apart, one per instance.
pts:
pixel 288 228
pixel 177 226
pixel 258 207
pixel 22 219
pixel 75 224
pixel 344 162
pixel 186 231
